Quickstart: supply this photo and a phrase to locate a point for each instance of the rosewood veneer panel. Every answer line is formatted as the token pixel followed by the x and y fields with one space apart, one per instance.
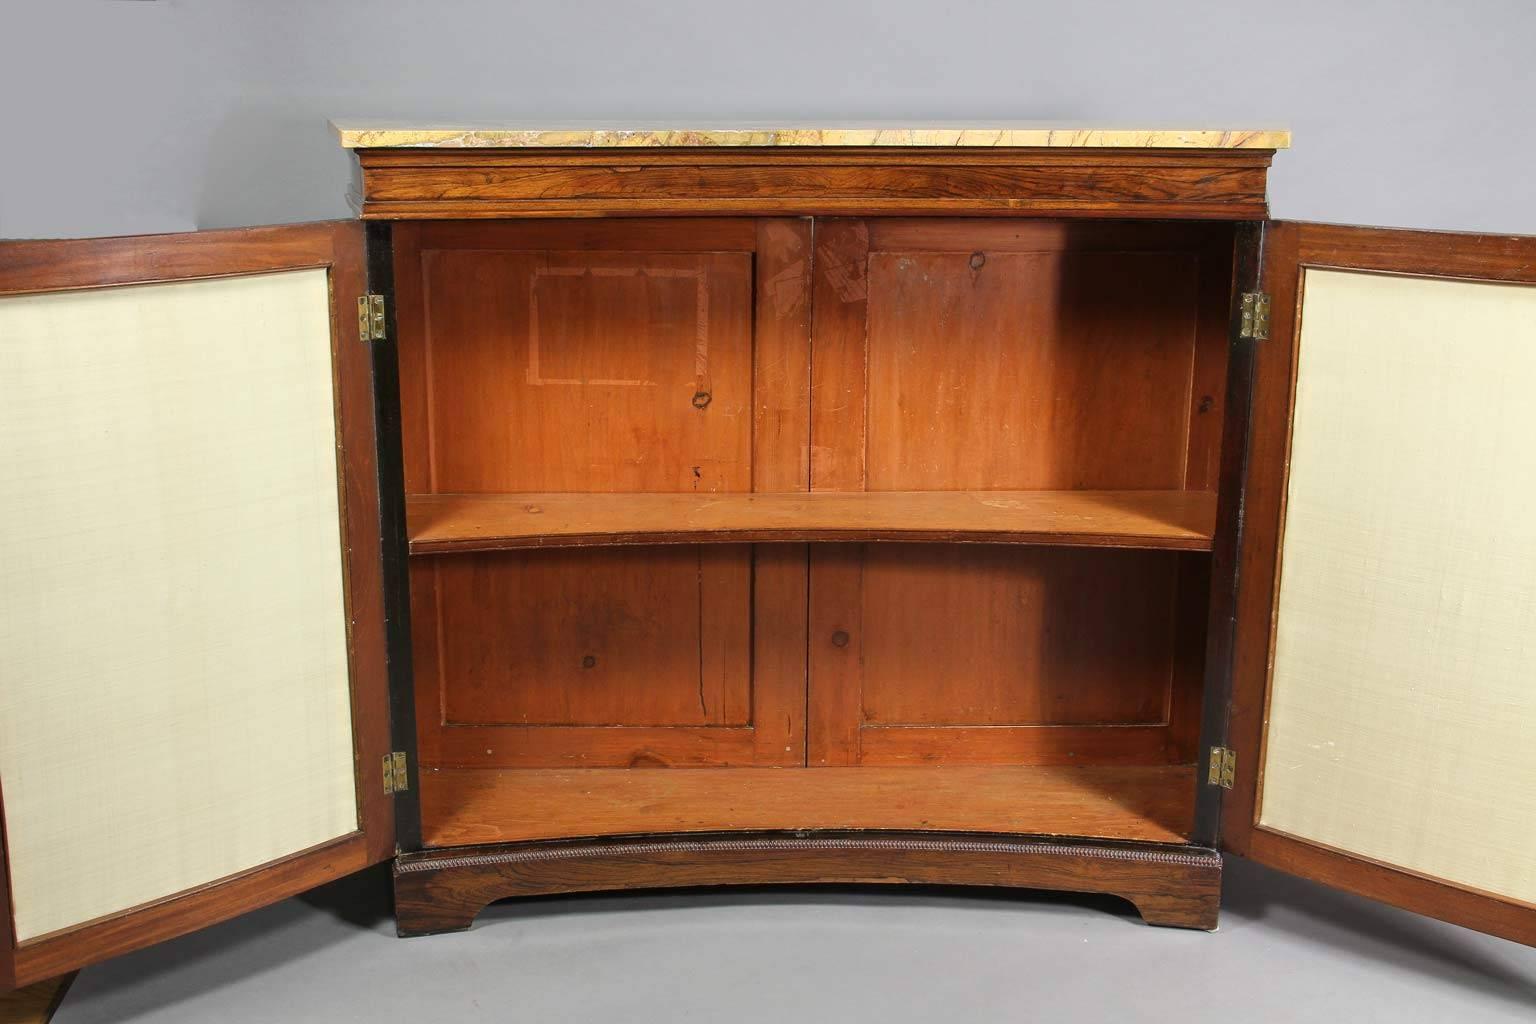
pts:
pixel 1177 886
pixel 491 183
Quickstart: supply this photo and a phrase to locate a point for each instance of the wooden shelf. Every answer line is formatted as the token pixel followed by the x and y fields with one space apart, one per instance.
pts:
pixel 1175 520
pixel 461 806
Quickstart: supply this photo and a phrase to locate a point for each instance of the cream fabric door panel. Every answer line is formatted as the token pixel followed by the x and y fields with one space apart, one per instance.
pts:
pixel 174 698
pixel 1402 720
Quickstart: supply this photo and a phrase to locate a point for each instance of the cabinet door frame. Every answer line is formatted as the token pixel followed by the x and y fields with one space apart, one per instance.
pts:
pixel 1292 248
pixel 1216 699
pixel 394 540
pixel 31 267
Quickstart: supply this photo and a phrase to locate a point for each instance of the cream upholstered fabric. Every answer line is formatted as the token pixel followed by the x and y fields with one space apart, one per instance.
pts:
pixel 173 678
pixel 1403 710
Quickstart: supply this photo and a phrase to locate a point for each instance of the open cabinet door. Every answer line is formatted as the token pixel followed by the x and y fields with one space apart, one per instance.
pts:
pixel 1384 705
pixel 193 705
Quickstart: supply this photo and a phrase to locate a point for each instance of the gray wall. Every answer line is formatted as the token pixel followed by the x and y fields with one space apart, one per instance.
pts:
pixel 121 116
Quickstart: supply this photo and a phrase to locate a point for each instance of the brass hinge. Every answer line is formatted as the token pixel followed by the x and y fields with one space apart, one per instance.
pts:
pixel 1223 770
pixel 395 780
pixel 1255 322
pixel 370 317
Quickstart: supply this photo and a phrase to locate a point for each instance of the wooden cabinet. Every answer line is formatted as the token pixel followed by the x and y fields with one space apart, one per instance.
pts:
pixel 630 510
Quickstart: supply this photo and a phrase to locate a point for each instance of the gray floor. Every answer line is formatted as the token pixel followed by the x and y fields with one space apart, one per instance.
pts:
pixel 1287 951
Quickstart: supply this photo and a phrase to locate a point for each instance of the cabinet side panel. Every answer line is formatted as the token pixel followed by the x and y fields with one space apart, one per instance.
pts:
pixel 1401 705
pixel 173 591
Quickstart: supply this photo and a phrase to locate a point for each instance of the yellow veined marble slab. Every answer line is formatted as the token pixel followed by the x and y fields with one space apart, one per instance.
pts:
pixel 384 135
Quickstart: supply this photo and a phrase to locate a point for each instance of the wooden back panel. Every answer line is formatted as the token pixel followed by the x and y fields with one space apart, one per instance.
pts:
pixel 636 356
pixel 583 371
pixel 981 355
pixel 605 637
pixel 1030 370
pixel 951 632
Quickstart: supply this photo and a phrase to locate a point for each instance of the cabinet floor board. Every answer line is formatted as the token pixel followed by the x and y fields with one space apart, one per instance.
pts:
pixel 462 806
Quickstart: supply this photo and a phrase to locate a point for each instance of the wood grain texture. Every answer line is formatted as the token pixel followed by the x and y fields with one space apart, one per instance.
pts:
pixel 630 234
pixel 1029 370
pixel 1027 315
pixel 835 661
pixel 395 561
pixel 982 637
pixel 991 655
pixel 411 184
pixel 780 594
pixel 32 267
pixel 1186 684
pixel 1174 520
pixel 636 324
pixel 1224 565
pixel 1434 897
pixel 1042 354
pixel 1177 886
pixel 1258 555
pixel 781 356
pixel 35 1004
pixel 1041 235
pixel 220 900
pixel 663 642
pixel 1425 255
pixel 636 356
pixel 953 355
pixel 467 806
pixel 1103 684
pixel 578 370
pixel 621 656
pixel 65 264
pixel 1129 744
pixel 362 537
pixel 839 357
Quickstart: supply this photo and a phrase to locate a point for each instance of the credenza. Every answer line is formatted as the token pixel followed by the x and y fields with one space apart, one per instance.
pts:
pixel 634 508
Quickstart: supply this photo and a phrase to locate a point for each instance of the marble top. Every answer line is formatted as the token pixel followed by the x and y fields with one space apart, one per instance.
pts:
pixel 384 135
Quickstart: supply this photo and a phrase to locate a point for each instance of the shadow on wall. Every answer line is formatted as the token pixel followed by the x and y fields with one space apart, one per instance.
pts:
pixel 270 164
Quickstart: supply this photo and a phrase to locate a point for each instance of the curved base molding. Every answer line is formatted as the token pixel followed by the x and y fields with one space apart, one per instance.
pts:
pixel 444 890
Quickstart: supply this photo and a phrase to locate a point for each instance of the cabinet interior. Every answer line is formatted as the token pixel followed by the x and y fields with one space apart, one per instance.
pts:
pixel 764 523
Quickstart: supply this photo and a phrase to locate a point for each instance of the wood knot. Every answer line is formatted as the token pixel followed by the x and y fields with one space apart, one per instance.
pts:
pixel 978 260
pixel 701 399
